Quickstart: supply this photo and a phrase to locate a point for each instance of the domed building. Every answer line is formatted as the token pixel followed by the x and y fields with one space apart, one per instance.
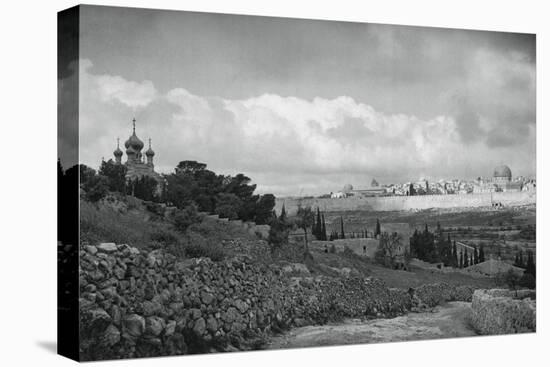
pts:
pixel 136 166
pixel 500 182
pixel 502 174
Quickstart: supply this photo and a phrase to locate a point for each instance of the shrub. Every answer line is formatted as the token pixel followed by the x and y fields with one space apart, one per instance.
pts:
pixel 100 223
pixel 278 233
pixel 96 188
pixel 185 217
pixel 196 245
pixel 528 281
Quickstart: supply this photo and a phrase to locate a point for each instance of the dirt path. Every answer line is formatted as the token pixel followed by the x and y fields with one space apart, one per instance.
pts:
pixel 447 321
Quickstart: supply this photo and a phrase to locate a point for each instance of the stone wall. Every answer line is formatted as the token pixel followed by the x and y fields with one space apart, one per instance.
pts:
pixel 391 203
pixel 502 311
pixel 136 304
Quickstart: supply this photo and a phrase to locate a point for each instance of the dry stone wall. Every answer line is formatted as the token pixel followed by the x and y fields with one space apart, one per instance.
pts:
pixel 135 303
pixel 501 311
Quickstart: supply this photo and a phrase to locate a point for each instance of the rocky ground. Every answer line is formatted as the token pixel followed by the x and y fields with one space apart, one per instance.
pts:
pixel 450 320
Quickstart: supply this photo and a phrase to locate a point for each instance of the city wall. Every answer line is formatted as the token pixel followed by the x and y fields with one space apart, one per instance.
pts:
pixel 391 203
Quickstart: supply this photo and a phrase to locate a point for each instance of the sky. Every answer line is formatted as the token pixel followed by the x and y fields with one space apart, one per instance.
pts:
pixel 304 106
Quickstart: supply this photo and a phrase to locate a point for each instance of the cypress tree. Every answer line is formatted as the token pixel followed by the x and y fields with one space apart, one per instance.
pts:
pixel 481 254
pixel 342 228
pixel 476 256
pixel 530 267
pixel 455 255
pixel 318 225
pixel 465 265
pixel 377 231
pixel 282 217
pixel 323 228
pixel 461 260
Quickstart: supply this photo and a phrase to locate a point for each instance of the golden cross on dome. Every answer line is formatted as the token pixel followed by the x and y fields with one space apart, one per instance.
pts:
pixel 134 123
pixel 118 142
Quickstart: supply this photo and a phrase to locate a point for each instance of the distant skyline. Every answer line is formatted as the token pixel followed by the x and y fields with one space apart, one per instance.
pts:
pixel 304 106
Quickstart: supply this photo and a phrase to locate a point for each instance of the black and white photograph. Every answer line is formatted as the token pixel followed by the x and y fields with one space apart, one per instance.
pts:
pixel 249 183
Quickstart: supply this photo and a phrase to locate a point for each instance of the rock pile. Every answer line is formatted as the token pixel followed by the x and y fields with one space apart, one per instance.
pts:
pixel 135 303
pixel 501 311
pixel 431 295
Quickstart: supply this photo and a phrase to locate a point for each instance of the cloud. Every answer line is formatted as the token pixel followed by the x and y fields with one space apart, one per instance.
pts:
pixel 290 145
pixel 496 100
pixel 111 88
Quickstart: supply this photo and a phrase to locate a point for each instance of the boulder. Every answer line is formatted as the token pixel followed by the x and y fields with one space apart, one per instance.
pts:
pixel 154 325
pixel 134 325
pixel 110 337
pixel 107 247
pixel 199 327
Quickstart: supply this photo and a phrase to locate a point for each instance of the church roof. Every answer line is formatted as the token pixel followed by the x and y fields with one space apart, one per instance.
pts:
pixel 133 141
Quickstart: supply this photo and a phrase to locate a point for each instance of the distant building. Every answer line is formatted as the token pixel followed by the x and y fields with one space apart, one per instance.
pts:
pixel 500 182
pixel 136 165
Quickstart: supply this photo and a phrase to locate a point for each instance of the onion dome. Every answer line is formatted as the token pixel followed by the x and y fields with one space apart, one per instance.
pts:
pixel 502 172
pixel 133 141
pixel 130 151
pixel 150 152
pixel 117 153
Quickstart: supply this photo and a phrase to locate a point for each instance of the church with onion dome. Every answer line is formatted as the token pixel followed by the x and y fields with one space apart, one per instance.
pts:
pixel 137 165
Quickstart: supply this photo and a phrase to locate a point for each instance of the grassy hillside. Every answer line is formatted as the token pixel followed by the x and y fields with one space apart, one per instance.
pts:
pixel 128 221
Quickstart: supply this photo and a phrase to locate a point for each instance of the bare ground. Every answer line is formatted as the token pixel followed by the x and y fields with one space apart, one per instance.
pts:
pixel 447 321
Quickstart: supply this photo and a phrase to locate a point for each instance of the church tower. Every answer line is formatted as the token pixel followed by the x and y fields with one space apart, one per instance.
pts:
pixel 118 153
pixel 133 147
pixel 150 153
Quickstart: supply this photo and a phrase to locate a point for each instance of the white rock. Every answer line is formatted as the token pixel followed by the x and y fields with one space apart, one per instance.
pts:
pixel 107 247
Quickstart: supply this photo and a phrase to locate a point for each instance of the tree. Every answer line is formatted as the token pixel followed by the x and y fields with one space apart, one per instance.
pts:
pixel 228 205
pixel 186 216
pixel 466 264
pixel 95 186
pixel 377 230
pixel 323 228
pixel 530 267
pixel 455 255
pixel 283 217
pixel 304 220
pixel 528 281
pixel 512 279
pixel 461 260
pixel 144 187
pixel 116 175
pixel 318 226
pixel 481 254
pixel 342 233
pixel 264 209
pixel 388 248
pixel 278 232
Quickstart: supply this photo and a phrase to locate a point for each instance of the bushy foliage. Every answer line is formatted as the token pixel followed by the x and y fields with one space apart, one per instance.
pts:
pixel 96 187
pixel 115 174
pixel 388 248
pixel 278 232
pixel 144 188
pixel 228 205
pixel 528 281
pixel 185 217
pixel 229 196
